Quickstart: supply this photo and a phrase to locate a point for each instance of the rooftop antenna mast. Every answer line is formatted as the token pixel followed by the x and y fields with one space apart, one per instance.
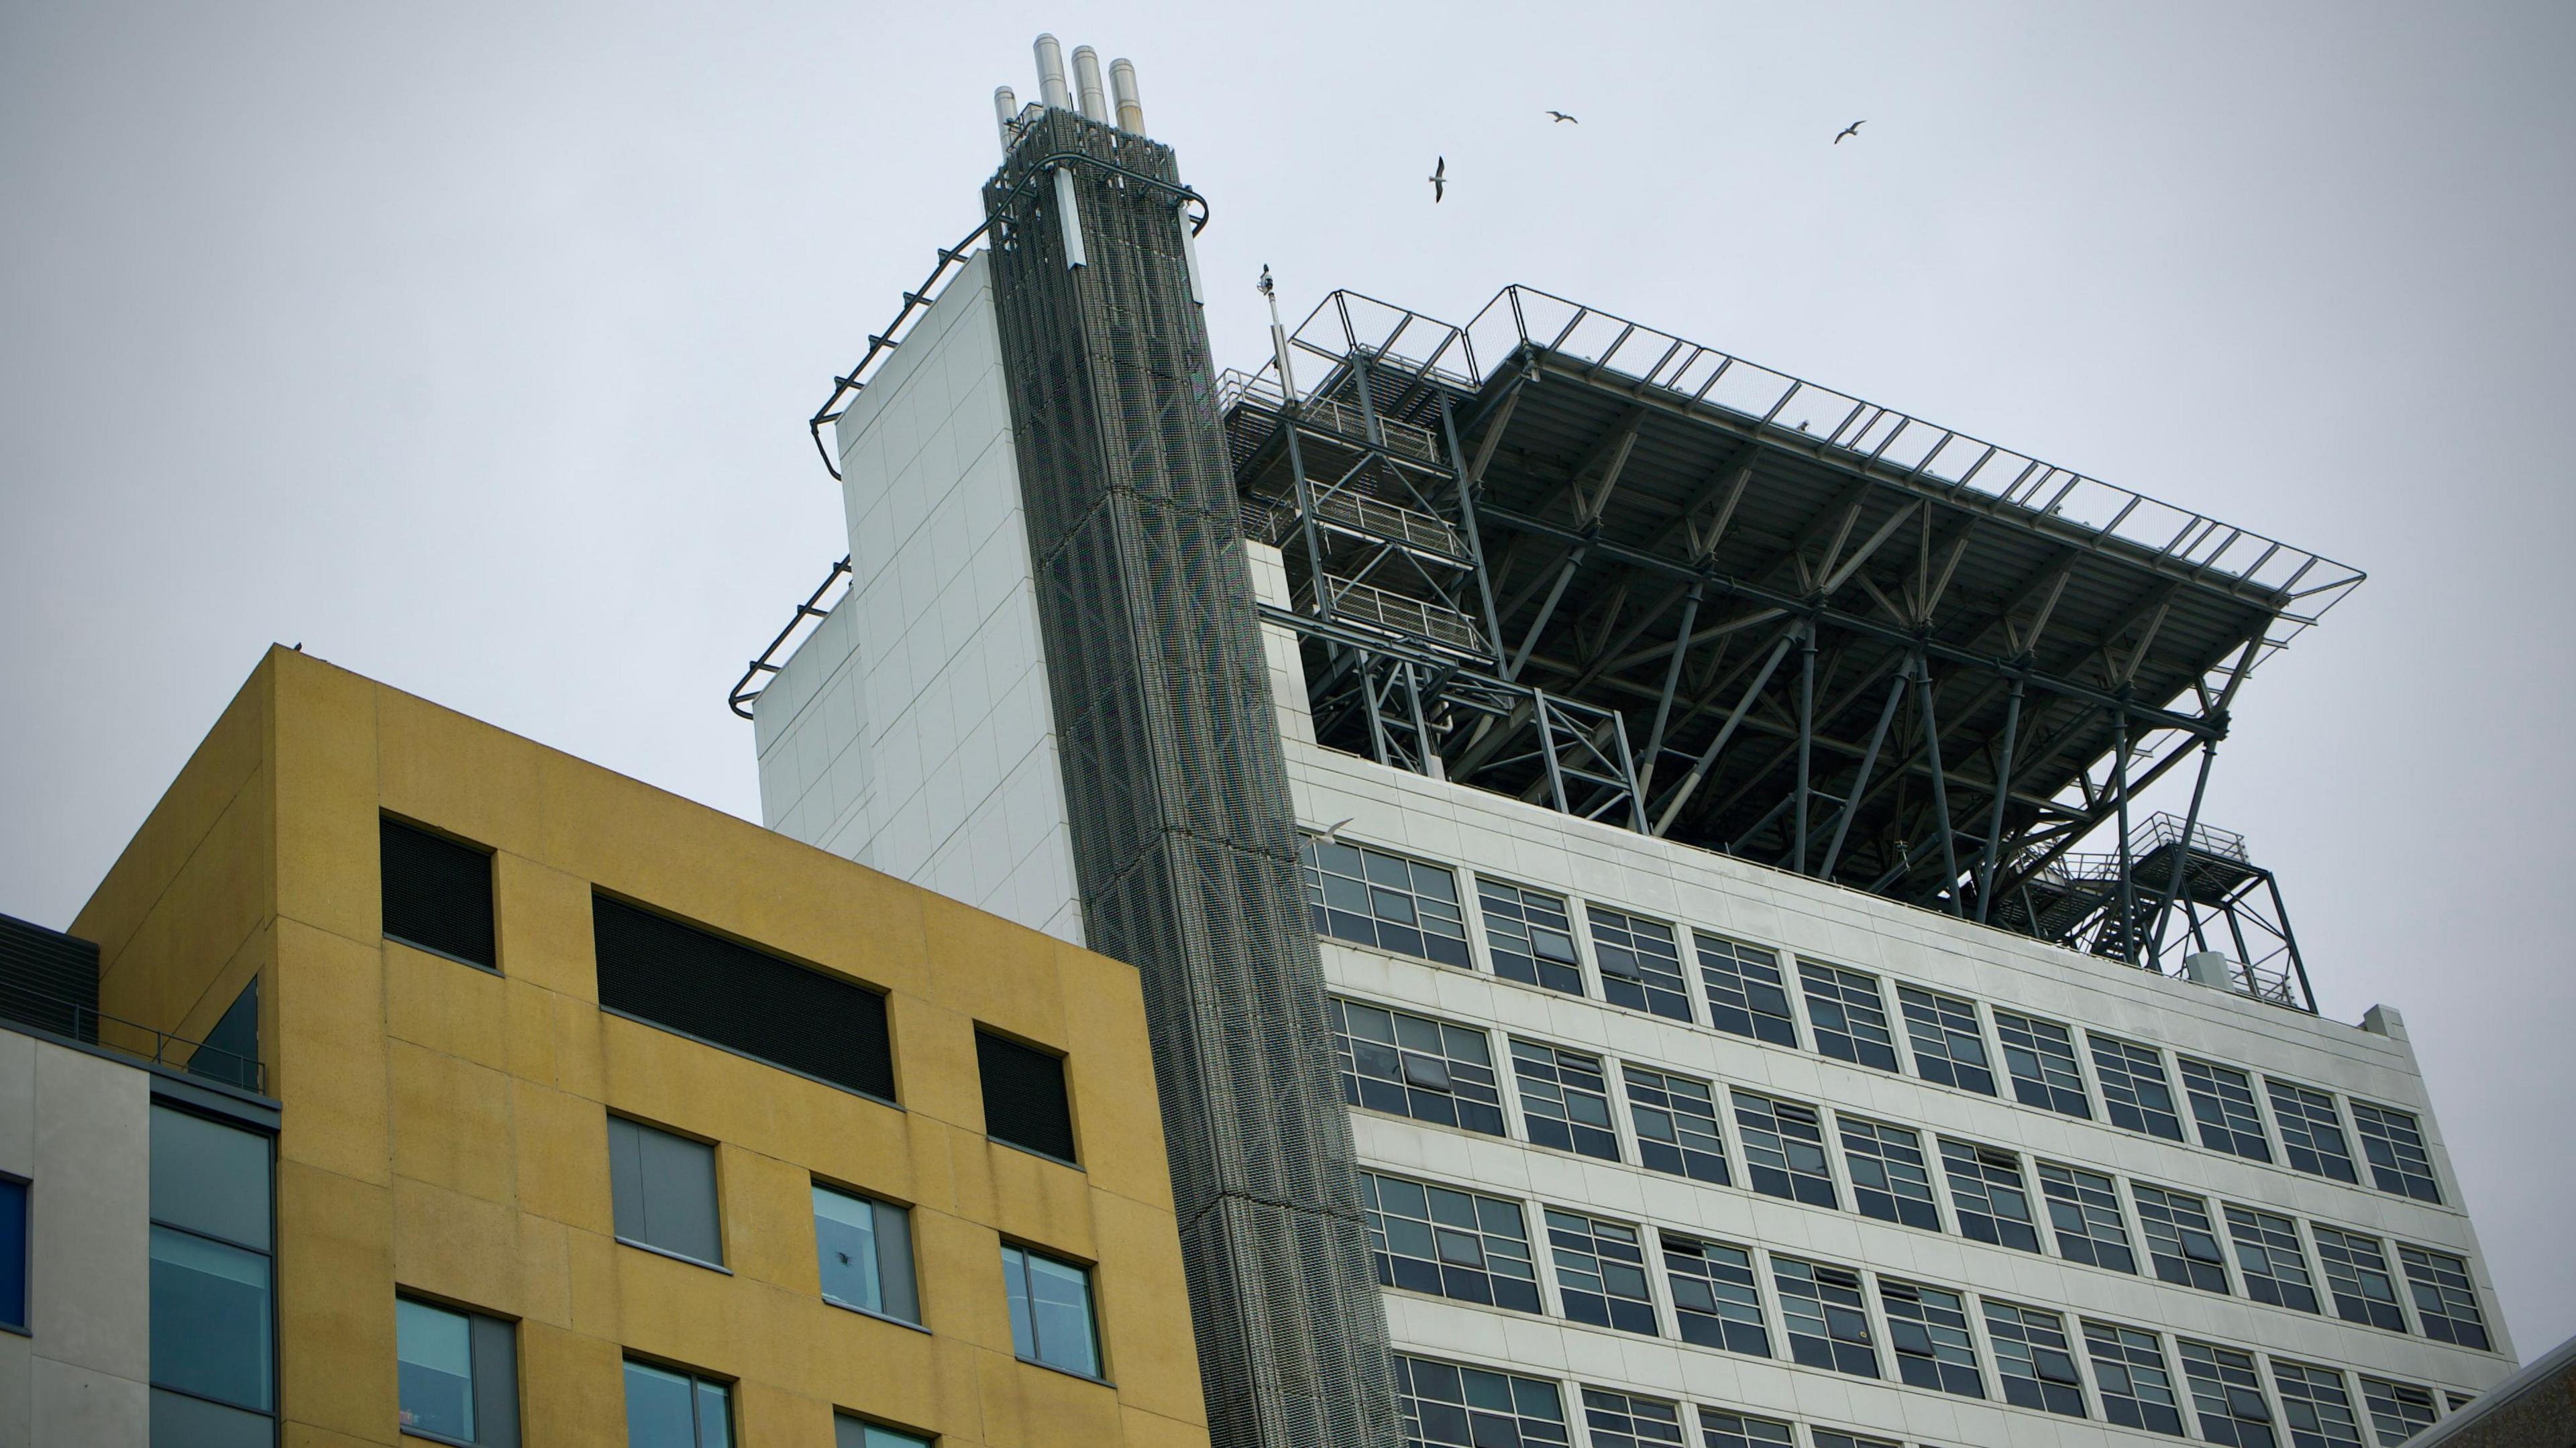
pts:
pixel 1278 335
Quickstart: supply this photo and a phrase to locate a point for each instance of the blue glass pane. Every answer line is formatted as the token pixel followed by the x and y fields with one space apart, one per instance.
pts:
pixel 209 1178
pixel 13 1253
pixel 1060 1300
pixel 180 1421
pixel 657 1409
pixel 845 1242
pixel 1015 1284
pixel 210 1319
pixel 715 1421
pixel 434 1351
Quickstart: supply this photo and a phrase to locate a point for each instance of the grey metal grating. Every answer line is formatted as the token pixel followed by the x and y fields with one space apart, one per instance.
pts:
pixel 1184 837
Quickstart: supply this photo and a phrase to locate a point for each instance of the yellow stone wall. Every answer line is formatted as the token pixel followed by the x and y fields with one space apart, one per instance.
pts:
pixel 445 1128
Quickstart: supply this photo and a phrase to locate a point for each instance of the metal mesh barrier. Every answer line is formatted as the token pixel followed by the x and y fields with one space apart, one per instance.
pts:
pixel 1184 837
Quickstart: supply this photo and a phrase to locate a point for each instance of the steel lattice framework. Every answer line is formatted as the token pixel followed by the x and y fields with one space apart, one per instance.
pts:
pixel 1556 553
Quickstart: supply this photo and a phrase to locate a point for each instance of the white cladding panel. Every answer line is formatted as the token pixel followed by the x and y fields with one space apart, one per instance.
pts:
pixel 1478 833
pixel 912 731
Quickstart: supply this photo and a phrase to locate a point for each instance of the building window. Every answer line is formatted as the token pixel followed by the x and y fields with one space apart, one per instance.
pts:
pixel 13 1253
pixel 2395 1146
pixel 1746 994
pixel 1716 1301
pixel 2084 1207
pixel 2135 1093
pixel 1600 1272
pixel 2129 1372
pixel 2181 1240
pixel 1830 1438
pixel 1415 1066
pixel 1447 1406
pixel 2315 1406
pixel 1618 1420
pixel 664 1191
pixel 1847 1015
pixel 863 1250
pixel 687 980
pixel 2446 1304
pixel 1888 1177
pixel 1987 1195
pixel 1929 1330
pixel 1641 967
pixel 1734 1430
pixel 213 1363
pixel 1025 1102
pixel 1565 1099
pixel 2033 1359
pixel 230 1052
pixel 2458 1399
pixel 2040 1057
pixel 669 1409
pixel 1529 937
pixel 437 893
pixel 1676 1122
pixel 849 1432
pixel 2222 1101
pixel 2226 1395
pixel 2311 1132
pixel 2268 1257
pixel 1821 1309
pixel 1369 897
pixel 1447 1242
pixel 1784 1149
pixel 1051 1321
pixel 458 1375
pixel 1948 1047
pixel 2358 1276
pixel 2398 1411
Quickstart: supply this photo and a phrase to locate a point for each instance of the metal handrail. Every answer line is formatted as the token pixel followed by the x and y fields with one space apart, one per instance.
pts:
pixel 743 693
pixel 91 1026
pixel 1433 623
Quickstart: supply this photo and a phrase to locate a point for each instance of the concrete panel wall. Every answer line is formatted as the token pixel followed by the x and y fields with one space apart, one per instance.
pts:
pixel 912 731
pixel 77 1128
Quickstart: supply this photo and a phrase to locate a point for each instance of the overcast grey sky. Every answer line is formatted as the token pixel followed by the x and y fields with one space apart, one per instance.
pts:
pixel 472 345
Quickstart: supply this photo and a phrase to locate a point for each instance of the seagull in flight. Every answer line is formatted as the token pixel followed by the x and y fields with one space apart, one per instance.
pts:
pixel 1562 118
pixel 1851 130
pixel 1439 179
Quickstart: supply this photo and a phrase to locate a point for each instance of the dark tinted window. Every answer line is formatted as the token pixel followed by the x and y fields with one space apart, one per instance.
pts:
pixel 683 979
pixel 214 1368
pixel 1024 1100
pixel 1415 1066
pixel 230 1052
pixel 664 1190
pixel 13 1253
pixel 438 894
pixel 1370 897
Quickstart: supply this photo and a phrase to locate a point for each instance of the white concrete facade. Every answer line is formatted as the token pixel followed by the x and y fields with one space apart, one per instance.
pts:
pixel 1476 835
pixel 76 1127
pixel 912 731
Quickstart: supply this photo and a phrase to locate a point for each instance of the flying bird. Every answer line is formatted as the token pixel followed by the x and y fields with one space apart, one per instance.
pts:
pixel 1851 130
pixel 1439 179
pixel 1334 830
pixel 1563 118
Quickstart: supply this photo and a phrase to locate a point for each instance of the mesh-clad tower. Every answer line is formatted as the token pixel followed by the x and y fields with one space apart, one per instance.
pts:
pixel 1636 859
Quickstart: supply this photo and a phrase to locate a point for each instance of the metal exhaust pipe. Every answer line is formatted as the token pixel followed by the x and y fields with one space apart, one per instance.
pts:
pixel 1006 108
pixel 1086 82
pixel 1131 106
pixel 1052 90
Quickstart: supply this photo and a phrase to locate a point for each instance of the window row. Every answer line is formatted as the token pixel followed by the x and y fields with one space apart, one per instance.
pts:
pixel 437 897
pixel 1455 1405
pixel 1764 1304
pixel 1447 1073
pixel 1371 897
pixel 458 1376
pixel 663 1190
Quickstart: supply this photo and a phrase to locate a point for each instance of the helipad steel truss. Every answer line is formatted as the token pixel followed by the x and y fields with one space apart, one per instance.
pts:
pixel 1775 619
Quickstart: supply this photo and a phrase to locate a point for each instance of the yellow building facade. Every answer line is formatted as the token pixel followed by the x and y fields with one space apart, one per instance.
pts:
pixel 446 1128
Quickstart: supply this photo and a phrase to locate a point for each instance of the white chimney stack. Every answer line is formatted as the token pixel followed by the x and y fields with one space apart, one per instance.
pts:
pixel 1086 81
pixel 1052 90
pixel 1006 106
pixel 1131 106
